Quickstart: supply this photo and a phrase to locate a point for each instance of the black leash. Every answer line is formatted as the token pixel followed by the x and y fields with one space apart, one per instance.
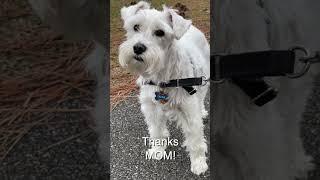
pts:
pixel 253 64
pixel 261 64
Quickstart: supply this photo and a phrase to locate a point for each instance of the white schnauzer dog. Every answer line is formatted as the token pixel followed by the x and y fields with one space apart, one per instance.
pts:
pixel 162 46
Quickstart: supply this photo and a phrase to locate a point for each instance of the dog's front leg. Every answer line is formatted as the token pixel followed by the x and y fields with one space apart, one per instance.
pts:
pixel 157 126
pixel 192 126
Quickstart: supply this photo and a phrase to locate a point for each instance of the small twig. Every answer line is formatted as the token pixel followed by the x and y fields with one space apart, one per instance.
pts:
pixel 19 137
pixel 124 96
pixel 28 99
pixel 65 140
pixel 75 87
pixel 8 18
pixel 13 144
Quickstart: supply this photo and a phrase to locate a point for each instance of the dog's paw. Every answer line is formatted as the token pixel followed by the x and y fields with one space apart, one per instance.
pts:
pixel 204 113
pixel 199 165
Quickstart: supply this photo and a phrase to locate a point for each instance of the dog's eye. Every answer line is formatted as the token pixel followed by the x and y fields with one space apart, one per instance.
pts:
pixel 136 27
pixel 159 33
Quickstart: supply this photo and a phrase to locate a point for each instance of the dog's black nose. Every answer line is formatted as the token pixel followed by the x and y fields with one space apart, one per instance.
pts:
pixel 139 48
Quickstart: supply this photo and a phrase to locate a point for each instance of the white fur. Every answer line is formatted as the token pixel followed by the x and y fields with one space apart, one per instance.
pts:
pixel 182 53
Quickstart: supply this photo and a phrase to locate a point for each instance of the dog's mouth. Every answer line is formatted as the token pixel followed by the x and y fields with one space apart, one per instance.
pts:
pixel 138 58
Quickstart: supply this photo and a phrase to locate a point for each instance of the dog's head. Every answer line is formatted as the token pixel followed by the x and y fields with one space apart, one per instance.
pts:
pixel 150 34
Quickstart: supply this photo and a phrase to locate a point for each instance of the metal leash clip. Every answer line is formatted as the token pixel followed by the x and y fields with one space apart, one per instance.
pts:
pixel 204 80
pixel 312 59
pixel 306 60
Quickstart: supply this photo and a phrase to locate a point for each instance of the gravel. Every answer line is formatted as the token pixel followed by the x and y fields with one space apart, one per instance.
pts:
pixel 38 156
pixel 310 129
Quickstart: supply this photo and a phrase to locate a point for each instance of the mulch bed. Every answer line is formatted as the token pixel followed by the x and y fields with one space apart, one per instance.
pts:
pixel 39 71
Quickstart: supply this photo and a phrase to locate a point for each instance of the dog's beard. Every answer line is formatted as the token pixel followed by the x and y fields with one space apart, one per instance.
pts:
pixel 146 64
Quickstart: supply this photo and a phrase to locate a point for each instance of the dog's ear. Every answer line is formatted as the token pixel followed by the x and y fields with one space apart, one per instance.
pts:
pixel 177 22
pixel 132 10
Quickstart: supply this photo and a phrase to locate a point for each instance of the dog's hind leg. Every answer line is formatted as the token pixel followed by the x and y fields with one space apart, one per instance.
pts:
pixel 157 126
pixel 191 123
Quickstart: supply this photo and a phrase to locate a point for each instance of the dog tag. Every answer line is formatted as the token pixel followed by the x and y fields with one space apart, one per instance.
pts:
pixel 161 97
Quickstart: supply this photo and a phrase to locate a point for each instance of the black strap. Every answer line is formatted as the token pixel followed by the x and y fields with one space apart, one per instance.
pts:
pixel 246 70
pixel 182 82
pixel 191 90
pixel 253 64
pixel 257 89
pixel 186 84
